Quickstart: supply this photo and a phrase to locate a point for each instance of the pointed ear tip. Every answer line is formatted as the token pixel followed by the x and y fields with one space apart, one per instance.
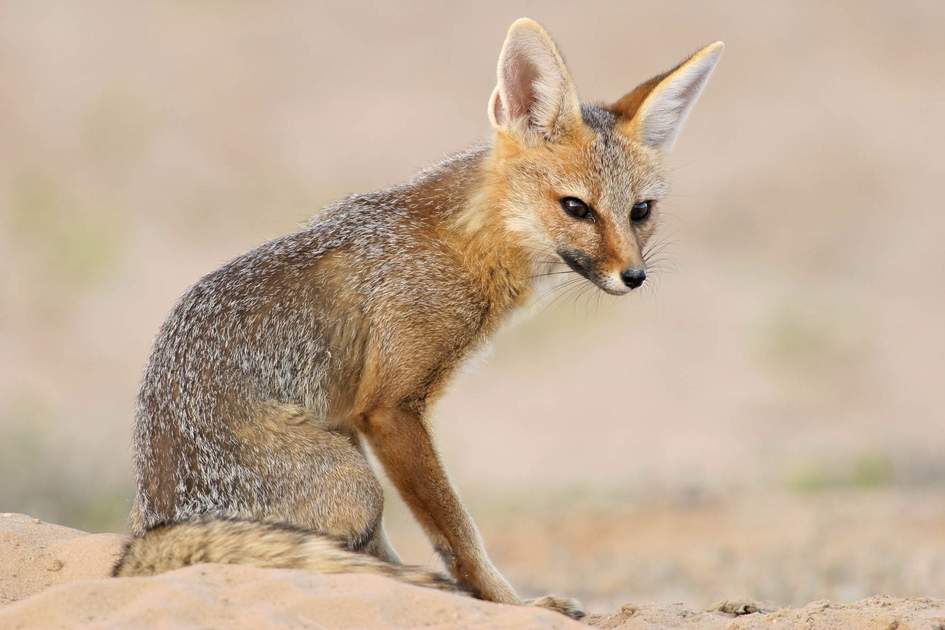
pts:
pixel 715 48
pixel 709 54
pixel 525 23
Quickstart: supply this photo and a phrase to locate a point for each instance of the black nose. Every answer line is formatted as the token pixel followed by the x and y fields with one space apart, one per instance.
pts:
pixel 633 277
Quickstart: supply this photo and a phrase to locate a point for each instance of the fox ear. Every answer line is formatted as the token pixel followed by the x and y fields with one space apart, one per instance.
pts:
pixel 654 112
pixel 534 94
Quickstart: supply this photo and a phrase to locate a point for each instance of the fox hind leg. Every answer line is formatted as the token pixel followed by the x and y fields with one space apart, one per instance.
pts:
pixel 314 477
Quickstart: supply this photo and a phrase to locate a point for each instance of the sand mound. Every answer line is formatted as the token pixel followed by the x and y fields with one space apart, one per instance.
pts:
pixel 52 576
pixel 35 556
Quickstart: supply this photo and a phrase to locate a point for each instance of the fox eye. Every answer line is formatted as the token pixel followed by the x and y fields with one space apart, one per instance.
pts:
pixel 576 208
pixel 641 211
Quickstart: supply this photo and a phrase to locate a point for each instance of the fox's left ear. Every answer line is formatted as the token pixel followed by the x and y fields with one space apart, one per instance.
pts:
pixel 654 112
pixel 534 95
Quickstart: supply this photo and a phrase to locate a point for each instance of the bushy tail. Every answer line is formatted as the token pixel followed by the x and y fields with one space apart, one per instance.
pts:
pixel 267 545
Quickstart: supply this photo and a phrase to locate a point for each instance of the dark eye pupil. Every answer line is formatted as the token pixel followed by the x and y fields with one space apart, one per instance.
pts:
pixel 640 211
pixel 575 207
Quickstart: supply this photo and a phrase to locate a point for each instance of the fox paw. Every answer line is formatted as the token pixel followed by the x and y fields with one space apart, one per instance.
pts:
pixel 564 605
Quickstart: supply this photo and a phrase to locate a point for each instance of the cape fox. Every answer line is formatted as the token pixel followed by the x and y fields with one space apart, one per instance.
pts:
pixel 272 373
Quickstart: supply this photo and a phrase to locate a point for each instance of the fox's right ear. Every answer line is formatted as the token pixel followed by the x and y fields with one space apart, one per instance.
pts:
pixel 534 95
pixel 654 112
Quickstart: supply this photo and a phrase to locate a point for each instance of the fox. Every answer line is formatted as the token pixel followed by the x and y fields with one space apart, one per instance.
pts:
pixel 275 375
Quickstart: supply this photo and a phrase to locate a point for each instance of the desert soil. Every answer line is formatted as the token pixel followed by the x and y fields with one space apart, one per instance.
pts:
pixel 56 577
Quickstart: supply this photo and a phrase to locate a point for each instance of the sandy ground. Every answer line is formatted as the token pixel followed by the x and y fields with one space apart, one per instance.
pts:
pixel 56 577
pixel 785 549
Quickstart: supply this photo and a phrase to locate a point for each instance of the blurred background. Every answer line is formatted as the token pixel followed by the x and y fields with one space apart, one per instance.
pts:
pixel 766 420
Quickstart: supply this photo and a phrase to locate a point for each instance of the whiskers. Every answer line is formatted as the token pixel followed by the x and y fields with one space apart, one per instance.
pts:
pixel 573 287
pixel 561 284
pixel 551 268
pixel 657 262
pixel 554 280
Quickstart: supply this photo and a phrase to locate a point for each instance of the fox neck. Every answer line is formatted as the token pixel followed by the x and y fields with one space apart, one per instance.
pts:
pixel 466 195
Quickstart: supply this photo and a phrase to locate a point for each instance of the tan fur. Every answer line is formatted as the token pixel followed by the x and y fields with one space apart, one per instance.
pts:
pixel 273 372
pixel 265 545
pixel 670 95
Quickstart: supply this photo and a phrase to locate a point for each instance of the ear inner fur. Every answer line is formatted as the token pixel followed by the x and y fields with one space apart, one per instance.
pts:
pixel 534 95
pixel 653 113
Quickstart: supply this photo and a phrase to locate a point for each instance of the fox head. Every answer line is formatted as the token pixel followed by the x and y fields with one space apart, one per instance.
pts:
pixel 582 183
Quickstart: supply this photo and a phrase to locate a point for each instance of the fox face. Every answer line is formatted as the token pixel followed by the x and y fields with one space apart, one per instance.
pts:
pixel 581 184
pixel 589 200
